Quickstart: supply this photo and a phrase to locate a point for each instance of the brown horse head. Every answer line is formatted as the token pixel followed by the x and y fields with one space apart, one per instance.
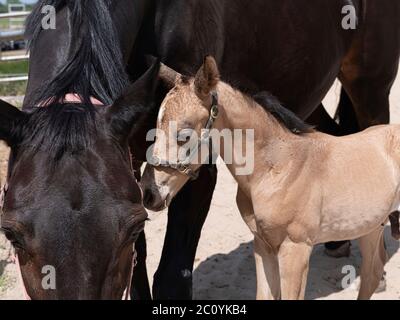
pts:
pixel 72 205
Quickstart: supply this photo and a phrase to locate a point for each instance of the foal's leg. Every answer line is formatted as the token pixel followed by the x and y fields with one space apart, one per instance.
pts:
pixel 267 270
pixel 186 216
pixel 374 259
pixel 267 267
pixel 294 261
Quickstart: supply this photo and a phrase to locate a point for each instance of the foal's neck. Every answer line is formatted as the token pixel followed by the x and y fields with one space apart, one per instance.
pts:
pixel 272 140
pixel 239 111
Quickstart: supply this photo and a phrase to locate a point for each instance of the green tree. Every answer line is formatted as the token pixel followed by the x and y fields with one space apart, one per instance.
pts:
pixel 3 8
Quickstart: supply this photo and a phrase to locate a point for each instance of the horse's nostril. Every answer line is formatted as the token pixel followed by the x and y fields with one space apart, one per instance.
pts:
pixel 148 197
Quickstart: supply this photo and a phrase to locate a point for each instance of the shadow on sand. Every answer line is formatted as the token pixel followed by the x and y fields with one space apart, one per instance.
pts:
pixel 233 275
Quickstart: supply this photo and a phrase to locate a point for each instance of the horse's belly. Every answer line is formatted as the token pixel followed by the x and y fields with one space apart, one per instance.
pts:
pixel 355 217
pixel 346 228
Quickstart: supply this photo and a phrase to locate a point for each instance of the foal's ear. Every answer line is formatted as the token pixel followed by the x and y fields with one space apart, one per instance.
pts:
pixel 135 102
pixel 169 76
pixel 10 117
pixel 207 77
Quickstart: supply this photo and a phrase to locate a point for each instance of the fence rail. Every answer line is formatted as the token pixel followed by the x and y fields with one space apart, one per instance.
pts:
pixel 21 14
pixel 12 79
pixel 13 35
pixel 14 58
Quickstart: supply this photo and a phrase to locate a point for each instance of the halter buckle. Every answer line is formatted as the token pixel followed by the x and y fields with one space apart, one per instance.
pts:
pixel 214 112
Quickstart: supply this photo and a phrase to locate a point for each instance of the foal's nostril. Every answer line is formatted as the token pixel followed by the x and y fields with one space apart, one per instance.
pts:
pixel 148 197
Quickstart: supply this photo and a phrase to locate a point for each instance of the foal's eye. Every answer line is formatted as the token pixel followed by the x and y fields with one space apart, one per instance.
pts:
pixel 185 135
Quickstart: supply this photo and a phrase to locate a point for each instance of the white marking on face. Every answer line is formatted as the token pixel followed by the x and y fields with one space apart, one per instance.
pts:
pixel 161 114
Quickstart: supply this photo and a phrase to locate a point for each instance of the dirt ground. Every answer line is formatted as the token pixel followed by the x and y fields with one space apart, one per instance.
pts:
pixel 224 265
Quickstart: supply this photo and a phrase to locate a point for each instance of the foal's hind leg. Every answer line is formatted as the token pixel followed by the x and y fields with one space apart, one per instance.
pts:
pixel 374 259
pixel 294 261
pixel 267 267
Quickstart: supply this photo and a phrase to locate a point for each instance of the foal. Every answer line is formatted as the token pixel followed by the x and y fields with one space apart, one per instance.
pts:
pixel 306 188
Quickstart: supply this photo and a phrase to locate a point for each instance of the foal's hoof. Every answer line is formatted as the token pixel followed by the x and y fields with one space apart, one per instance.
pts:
pixel 341 252
pixel 382 284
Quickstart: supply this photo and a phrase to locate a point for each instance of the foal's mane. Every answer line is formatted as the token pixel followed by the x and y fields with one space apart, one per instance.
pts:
pixel 286 117
pixel 95 66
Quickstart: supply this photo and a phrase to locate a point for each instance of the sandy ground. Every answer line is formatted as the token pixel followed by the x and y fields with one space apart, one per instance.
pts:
pixel 224 265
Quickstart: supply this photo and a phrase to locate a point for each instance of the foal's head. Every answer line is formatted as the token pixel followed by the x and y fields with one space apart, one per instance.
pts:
pixel 73 208
pixel 188 105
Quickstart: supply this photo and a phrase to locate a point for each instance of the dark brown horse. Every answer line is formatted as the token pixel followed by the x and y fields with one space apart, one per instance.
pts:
pixel 300 47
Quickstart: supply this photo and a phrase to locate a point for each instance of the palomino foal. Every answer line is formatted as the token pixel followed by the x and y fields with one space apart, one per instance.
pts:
pixel 306 188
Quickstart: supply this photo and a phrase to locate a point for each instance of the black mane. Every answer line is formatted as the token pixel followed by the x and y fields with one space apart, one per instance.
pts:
pixel 272 105
pixel 59 129
pixel 95 66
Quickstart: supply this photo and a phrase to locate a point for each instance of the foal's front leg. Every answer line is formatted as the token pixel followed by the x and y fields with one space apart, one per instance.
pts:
pixel 294 263
pixel 267 267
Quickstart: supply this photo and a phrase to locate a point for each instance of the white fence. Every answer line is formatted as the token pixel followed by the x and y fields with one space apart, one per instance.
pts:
pixel 13 35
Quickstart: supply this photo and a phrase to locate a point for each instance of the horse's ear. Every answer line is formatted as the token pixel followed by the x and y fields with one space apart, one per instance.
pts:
pixel 127 111
pixel 10 117
pixel 169 76
pixel 207 77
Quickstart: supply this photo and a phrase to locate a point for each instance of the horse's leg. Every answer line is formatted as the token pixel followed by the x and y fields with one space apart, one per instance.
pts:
pixel 346 115
pixel 370 67
pixel 322 121
pixel 294 259
pixel 186 216
pixel 267 267
pixel 140 288
pixel 394 223
pixel 374 258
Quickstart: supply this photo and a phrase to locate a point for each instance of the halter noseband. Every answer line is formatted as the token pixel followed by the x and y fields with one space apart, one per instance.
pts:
pixel 183 166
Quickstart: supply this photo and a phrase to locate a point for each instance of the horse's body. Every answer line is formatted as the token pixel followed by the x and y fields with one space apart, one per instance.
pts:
pixel 305 189
pixel 300 47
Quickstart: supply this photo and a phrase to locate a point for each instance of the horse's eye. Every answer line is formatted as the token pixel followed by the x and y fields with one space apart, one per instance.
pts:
pixel 13 238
